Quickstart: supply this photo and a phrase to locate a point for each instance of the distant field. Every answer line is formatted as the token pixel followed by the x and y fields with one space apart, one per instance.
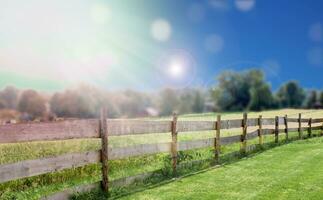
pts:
pixel 293 171
pixel 33 188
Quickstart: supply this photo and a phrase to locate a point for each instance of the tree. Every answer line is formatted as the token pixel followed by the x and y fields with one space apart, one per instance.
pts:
pixel 235 91
pixel 321 98
pixel 168 101
pixel 32 103
pixel 9 97
pixel 311 99
pixel 261 98
pixel 199 101
pixel 291 95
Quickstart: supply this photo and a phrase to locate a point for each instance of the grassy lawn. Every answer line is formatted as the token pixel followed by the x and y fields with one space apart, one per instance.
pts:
pixel 35 187
pixel 292 171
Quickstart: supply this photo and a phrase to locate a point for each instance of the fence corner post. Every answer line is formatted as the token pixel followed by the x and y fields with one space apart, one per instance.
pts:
pixel 243 148
pixel 286 126
pixel 217 142
pixel 300 134
pixel 174 144
pixel 104 151
pixel 276 128
pixel 260 133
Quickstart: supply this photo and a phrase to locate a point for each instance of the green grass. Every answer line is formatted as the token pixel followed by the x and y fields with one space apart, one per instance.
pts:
pixel 292 171
pixel 35 187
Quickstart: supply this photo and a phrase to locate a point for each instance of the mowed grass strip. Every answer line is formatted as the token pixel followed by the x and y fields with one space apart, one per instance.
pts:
pixel 292 171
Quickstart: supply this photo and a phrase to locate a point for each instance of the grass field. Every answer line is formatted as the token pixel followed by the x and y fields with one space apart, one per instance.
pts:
pixel 35 187
pixel 292 171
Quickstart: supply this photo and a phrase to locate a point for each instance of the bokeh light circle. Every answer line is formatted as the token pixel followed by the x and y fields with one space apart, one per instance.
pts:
pixel 214 43
pixel 161 30
pixel 245 5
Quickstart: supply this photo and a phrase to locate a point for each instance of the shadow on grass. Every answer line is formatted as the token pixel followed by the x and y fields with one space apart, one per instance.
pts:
pixel 185 169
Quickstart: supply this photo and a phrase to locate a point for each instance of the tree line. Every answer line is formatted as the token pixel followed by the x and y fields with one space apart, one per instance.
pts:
pixel 234 91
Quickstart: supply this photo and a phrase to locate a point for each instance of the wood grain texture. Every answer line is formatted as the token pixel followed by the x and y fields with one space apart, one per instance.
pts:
pixel 44 131
pixel 318 120
pixel 243 145
pixel 230 139
pixel 174 143
pixel 276 129
pixel 104 150
pixel 138 150
pixel 260 133
pixel 252 122
pixel 132 127
pixel 229 124
pixel 300 132
pixel 195 144
pixel 191 126
pixel 217 141
pixel 268 121
pixel 36 167
pixel 296 120
pixel 286 126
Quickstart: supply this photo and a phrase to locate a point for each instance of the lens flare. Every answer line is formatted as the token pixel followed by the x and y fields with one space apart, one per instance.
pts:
pixel 161 30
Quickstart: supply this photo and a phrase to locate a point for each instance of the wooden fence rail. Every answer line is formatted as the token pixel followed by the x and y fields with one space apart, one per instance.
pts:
pixel 104 128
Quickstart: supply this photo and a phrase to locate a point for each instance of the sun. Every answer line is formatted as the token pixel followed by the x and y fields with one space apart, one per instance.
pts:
pixel 176 69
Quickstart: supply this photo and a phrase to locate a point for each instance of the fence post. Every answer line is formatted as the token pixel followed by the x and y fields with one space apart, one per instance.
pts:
pixel 217 143
pixel 243 147
pixel 300 134
pixel 260 135
pixel 286 126
pixel 174 143
pixel 276 128
pixel 104 150
pixel 309 130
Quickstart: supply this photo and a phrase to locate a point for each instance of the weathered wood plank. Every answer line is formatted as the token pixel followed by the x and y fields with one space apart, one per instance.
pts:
pixel 296 120
pixel 230 139
pixel 252 135
pixel 137 150
pixel 44 131
pixel 318 120
pixel 36 167
pixel 234 123
pixel 131 127
pixel 195 144
pixel 268 121
pixel 252 122
pixel 191 126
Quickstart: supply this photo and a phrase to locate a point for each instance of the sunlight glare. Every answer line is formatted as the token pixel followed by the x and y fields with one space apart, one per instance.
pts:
pixel 176 69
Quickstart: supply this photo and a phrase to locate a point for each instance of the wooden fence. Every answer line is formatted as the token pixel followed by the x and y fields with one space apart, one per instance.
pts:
pixel 103 128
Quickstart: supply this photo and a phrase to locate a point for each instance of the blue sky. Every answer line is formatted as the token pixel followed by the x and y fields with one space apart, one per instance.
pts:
pixel 149 44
